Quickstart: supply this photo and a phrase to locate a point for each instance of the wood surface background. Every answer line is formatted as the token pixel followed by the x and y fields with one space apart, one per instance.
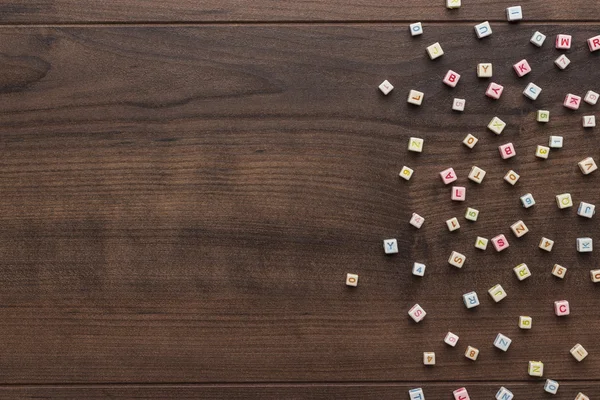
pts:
pixel 186 184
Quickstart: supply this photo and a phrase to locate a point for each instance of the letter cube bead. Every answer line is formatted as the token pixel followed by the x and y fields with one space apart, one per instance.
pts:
pixel 543 116
pixel 461 394
pixel 472 214
pixel 459 104
pixel 484 70
pixel 428 358
pixel 519 228
pixel 459 193
pixel 507 150
pixel 386 87
pixel 536 368
pixel 542 152
pixel 551 386
pixel 406 173
pixel 522 68
pixel 500 243
pixel 390 246
pixel 581 396
pixel 415 97
pixel 514 14
pixel 587 166
pixel 595 275
pixel 483 30
pixel 564 200
pixel 532 91
pixel 451 78
pixel 453 3
pixel 563 42
pixel 538 39
pixel 416 29
pixel 522 271
pixel 585 245
pixel 502 342
pixel 435 51
pixel 561 308
pixel 415 144
pixel 451 339
pixel 562 62
pixel 352 280
pixel 416 394
pixel 511 177
pixel 546 244
pixel 591 97
pixel 494 90
pixel 470 299
pixel 472 353
pixel 452 224
pixel 418 269
pixel 417 313
pixel 456 259
pixel 504 394
pixel 497 293
pixel 586 210
pixel 470 141
pixel 579 352
pixel 572 101
pixel 559 271
pixel 525 322
pixel 555 142
pixel 481 243
pixel 594 43
pixel 589 121
pixel 416 220
pixel 476 174
pixel 496 125
pixel 527 200
pixel 448 175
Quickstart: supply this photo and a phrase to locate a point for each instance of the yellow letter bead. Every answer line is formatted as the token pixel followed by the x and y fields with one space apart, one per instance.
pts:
pixel 452 224
pixel 519 228
pixel 476 174
pixel 587 165
pixel 429 358
pixel 595 275
pixel 496 125
pixel 579 352
pixel 415 97
pixel 542 152
pixel 472 214
pixel 536 368
pixel 559 271
pixel 352 280
pixel 415 144
pixel 481 243
pixel 456 259
pixel 543 116
pixel 470 141
pixel 525 322
pixel 435 51
pixel 406 173
pixel 522 271
pixel 472 353
pixel 581 396
pixel 484 70
pixel 546 244
pixel 564 200
pixel 453 3
pixel 497 293
pixel 511 177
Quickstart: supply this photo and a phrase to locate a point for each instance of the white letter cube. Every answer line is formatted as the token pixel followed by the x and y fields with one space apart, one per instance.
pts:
pixel 536 368
pixel 527 200
pixel 579 352
pixel 562 62
pixel 418 269
pixel 591 97
pixel 352 280
pixel 543 116
pixel 406 173
pixel 482 30
pixel 470 299
pixel 504 394
pixel 472 214
pixel 456 259
pixel 514 14
pixel 484 70
pixel 415 144
pixel 497 293
pixel 551 386
pixel 415 97
pixel 435 51
pixel 522 271
pixel 589 121
pixel 496 125
pixel 532 91
pixel 470 141
pixel 546 244
pixel 538 39
pixel 586 210
pixel 416 220
pixel 564 200
pixel 386 87
pixel 481 243
pixel 555 142
pixel 459 105
pixel 451 339
pixel 587 166
pixel 585 245
pixel 525 322
pixel 416 29
pixel 390 246
pixel 417 313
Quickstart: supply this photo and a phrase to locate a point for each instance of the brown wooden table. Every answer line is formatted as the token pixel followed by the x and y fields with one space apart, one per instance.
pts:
pixel 186 184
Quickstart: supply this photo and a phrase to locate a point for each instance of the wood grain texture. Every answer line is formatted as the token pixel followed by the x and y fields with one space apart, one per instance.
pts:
pixel 169 11
pixel 182 205
pixel 567 391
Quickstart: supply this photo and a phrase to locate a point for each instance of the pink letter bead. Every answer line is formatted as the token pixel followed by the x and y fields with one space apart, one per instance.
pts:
pixel 563 42
pixel 417 313
pixel 461 394
pixel 494 91
pixel 500 243
pixel 594 43
pixel 522 68
pixel 572 101
pixel 561 308
pixel 507 150
pixel 448 175
pixel 451 78
pixel 459 193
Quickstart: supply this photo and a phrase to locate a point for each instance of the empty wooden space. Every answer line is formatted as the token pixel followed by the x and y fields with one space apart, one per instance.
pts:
pixel 186 184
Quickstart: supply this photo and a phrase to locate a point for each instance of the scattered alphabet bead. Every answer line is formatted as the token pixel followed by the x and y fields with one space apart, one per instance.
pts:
pixel 519 228
pixel 483 30
pixel 500 243
pixel 594 43
pixel 472 214
pixel 559 271
pixel 581 396
pixel 514 14
pixel 591 97
pixel 485 70
pixel 471 300
pixel 555 142
pixel 522 68
pixel 546 244
pixel 448 175
pixel 542 152
pixel 453 3
pixel 538 39
pixel 470 141
pixel 507 151
pixel 429 358
pixel 386 87
pixel 586 210
pixel 481 243
pixel 494 90
pixel 564 200
pixel 496 125
pixel 415 144
pixel 511 177
pixel 589 121
pixel 476 174
pixel 352 280
pixel 459 104
pixel 536 368
pixel 587 165
pixel 562 62
pixel 561 308
pixel 390 246
pixel 452 224
pixel 527 200
pixel 416 394
pixel 417 313
pixel 502 342
pixel 551 386
pixel 461 393
pixel 585 245
pixel 406 173
pixel 504 394
pixel 595 275
pixel 563 42
pixel 415 97
pixel 532 91
pixel 456 259
pixel 522 271
pixel 451 339
pixel 416 220
pixel 471 353
pixel 418 269
pixel 497 293
pixel 435 51
pixel 543 116
pixel 579 352
pixel 459 193
pixel 451 79
pixel 572 101
pixel 525 322
pixel 416 29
